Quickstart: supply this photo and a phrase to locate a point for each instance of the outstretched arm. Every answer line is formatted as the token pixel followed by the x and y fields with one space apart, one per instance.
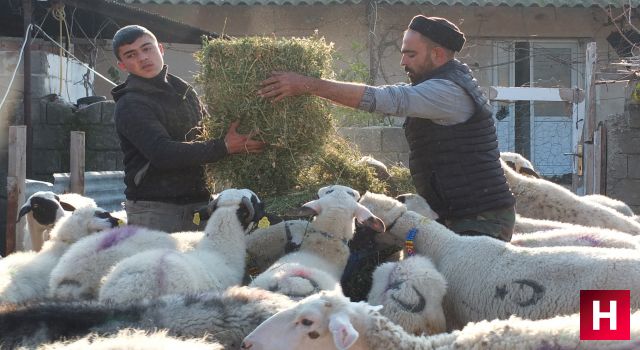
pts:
pixel 283 84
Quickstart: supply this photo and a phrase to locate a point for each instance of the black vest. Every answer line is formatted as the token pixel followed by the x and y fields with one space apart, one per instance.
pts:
pixel 456 168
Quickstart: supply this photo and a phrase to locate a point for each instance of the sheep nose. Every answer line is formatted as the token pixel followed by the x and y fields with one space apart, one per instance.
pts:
pixel 246 345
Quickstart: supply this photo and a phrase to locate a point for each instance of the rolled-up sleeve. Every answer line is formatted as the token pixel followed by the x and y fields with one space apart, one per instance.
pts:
pixel 440 100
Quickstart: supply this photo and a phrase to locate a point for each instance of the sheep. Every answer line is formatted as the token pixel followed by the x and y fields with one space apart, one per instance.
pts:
pixel 524 167
pixel 328 321
pixel 43 209
pixel 418 204
pixel 488 278
pixel 268 244
pixel 79 273
pixel 411 293
pixel 222 317
pixel 577 236
pixel 323 253
pixel 542 199
pixel 216 263
pixel 519 163
pixel 25 275
pixel 131 339
pixel 548 233
pixel 381 170
pixel 614 204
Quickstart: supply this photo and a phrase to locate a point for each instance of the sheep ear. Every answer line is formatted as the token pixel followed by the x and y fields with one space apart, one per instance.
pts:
pixel 23 211
pixel 68 207
pixel 344 335
pixel 310 209
pixel 531 172
pixel 365 217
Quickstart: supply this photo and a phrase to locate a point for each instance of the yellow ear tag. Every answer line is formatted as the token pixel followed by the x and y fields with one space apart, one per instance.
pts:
pixel 196 218
pixel 264 222
pixel 120 222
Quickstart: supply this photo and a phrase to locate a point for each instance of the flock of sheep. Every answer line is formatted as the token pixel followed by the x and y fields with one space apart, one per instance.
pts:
pixel 101 284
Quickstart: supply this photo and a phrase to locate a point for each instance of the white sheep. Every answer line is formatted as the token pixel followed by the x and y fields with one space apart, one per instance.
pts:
pixel 489 279
pixel 222 317
pixel 79 273
pixel 523 166
pixel 216 263
pixel 267 244
pixel 542 199
pixel 323 253
pixel 43 209
pixel 577 236
pixel 612 203
pixel 411 293
pixel 327 321
pixel 131 339
pixel 381 170
pixel 25 275
pixel 519 163
pixel 528 225
pixel 548 233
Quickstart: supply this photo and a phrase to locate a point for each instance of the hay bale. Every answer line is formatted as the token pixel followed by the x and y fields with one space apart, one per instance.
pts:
pixel 295 128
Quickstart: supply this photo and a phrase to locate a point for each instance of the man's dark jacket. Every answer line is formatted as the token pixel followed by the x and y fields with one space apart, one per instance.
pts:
pixel 157 121
pixel 456 168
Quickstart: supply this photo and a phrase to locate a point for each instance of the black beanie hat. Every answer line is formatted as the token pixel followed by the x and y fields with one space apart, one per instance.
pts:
pixel 440 30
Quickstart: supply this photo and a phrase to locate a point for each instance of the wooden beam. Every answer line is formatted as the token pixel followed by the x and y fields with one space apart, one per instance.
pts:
pixel 77 160
pixel 590 119
pixel 16 178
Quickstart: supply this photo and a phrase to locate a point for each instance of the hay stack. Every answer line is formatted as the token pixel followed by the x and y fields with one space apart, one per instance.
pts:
pixel 296 129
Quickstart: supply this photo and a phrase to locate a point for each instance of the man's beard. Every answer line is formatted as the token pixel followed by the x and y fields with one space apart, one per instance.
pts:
pixel 414 78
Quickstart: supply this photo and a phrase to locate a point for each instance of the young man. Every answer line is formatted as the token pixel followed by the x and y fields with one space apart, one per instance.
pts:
pixel 158 117
pixel 454 156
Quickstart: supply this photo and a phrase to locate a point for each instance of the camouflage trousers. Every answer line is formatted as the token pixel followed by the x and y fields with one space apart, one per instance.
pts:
pixel 495 223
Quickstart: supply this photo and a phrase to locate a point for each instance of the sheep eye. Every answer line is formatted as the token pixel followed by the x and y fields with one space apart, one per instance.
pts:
pixel 306 322
pixel 313 335
pixel 352 194
pixel 329 191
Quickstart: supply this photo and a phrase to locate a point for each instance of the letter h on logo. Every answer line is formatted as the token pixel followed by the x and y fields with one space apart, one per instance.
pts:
pixel 605 315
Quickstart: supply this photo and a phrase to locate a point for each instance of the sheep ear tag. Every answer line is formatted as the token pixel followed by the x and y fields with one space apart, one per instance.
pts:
pixel 264 222
pixel 196 218
pixel 344 335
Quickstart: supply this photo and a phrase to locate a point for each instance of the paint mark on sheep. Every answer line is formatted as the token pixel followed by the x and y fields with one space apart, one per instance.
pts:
pixel 117 235
pixel 526 292
pixel 407 306
pixel 594 242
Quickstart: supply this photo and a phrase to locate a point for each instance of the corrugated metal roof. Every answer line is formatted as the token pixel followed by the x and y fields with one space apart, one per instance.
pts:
pixel 526 3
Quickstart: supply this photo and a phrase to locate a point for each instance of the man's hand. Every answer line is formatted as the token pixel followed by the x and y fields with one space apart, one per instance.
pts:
pixel 239 143
pixel 282 84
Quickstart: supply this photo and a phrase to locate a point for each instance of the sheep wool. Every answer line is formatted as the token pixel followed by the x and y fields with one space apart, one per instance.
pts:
pixel 411 293
pixel 24 275
pixel 542 199
pixel 331 321
pixel 489 279
pixel 216 263
pixel 225 318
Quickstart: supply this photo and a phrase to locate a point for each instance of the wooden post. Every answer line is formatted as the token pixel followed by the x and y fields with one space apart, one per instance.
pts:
pixel 76 171
pixel 589 119
pixel 16 178
pixel 600 159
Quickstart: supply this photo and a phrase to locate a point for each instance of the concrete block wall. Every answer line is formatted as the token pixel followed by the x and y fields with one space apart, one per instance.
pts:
pixel 620 113
pixel 51 136
pixel 386 144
